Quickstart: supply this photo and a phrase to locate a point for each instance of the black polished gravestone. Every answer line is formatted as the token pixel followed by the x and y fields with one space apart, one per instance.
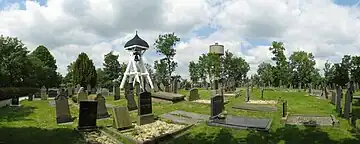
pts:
pixel 217 105
pixel 87 115
pixel 15 101
pixel 145 115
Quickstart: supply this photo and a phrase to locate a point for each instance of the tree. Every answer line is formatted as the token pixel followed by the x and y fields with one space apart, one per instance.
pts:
pixel 68 79
pixel 194 72
pixel 302 65
pixel 265 72
pixel 355 69
pixel 101 79
pixel 112 66
pixel 15 66
pixel 281 71
pixel 84 72
pixel 164 45
pixel 45 64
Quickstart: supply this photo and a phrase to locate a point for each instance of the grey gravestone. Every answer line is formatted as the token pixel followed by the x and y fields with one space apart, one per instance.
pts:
pixel 333 97
pixel 247 95
pixel 175 86
pixel 88 89
pixel 101 107
pixel 121 118
pixel 70 91
pixel 194 94
pixel 104 92
pixel 156 88
pixel 145 115
pixel 62 108
pixel 77 88
pixel 162 87
pixel 338 99
pixel 137 88
pixel 87 115
pixel 129 95
pixel 217 105
pixel 43 93
pixel 116 91
pixel 82 96
pixel 348 100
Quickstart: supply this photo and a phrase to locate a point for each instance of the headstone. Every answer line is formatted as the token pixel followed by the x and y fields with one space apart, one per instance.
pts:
pixel 93 91
pixel 262 93
pixel 194 94
pixel 156 88
pixel 310 89
pixel 284 109
pixel 333 97
pixel 137 88
pixel 348 100
pixel 87 115
pixel 175 86
pixel 70 91
pixel 116 90
pixel 129 95
pixel 101 107
pixel 15 101
pixel 31 97
pixel 326 92
pixel 145 115
pixel 62 108
pixel 247 95
pixel 162 87
pixel 104 92
pixel 77 88
pixel 88 89
pixel 121 118
pixel 82 96
pixel 217 105
pixel 43 93
pixel 338 99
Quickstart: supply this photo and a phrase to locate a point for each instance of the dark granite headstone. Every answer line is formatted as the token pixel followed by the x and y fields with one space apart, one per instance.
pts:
pixel 30 97
pixel 87 115
pixel 217 105
pixel 15 101
pixel 284 108
pixel 145 115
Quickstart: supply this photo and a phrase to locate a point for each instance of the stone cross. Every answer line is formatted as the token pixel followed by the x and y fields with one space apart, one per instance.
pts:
pixel 101 107
pixel 62 108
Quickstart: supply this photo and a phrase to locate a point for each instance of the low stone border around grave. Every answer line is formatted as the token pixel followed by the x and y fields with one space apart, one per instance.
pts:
pixel 183 117
pixel 311 120
pixel 208 102
pixel 99 136
pixel 262 102
pixel 161 138
pixel 255 107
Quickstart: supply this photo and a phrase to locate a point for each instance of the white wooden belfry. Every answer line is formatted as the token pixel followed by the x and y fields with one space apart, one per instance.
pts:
pixel 135 70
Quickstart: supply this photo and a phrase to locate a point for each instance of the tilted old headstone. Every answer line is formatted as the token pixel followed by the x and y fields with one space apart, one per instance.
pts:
pixel 162 87
pixel 62 108
pixel 116 91
pixel 129 95
pixel 338 99
pixel 101 107
pixel 44 96
pixel 137 88
pixel 104 92
pixel 194 94
pixel 348 100
pixel 145 115
pixel 82 95
pixel 87 115
pixel 121 118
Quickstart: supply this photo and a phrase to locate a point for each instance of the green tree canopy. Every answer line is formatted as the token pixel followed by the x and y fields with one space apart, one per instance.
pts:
pixel 84 72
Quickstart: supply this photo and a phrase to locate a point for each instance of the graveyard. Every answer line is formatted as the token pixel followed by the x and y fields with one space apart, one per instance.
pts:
pixel 130 104
pixel 35 121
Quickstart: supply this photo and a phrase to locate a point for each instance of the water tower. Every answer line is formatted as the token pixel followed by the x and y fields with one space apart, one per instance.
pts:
pixel 135 70
pixel 218 50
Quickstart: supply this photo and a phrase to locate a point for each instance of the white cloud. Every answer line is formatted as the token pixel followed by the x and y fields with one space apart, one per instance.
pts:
pixel 96 27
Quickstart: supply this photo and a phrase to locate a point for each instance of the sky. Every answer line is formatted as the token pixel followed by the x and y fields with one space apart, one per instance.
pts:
pixel 327 28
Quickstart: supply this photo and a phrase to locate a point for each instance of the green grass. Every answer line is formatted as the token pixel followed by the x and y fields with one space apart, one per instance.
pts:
pixel 35 122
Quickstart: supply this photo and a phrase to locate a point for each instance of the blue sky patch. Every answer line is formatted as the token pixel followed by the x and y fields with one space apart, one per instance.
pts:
pixel 346 2
pixel 5 3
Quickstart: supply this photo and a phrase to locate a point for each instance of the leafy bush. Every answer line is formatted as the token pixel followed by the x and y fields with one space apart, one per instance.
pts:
pixel 13 92
pixel 74 98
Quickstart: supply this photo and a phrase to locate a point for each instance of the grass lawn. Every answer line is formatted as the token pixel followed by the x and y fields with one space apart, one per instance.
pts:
pixel 34 122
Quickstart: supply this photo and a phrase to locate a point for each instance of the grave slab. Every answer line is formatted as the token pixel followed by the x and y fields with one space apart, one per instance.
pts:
pixel 168 96
pixel 238 122
pixel 255 107
pixel 177 119
pixel 311 120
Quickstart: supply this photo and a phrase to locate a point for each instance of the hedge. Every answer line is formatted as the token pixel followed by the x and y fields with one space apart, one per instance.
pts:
pixel 11 92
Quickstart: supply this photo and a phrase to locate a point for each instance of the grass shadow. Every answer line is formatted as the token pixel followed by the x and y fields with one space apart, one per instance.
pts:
pixel 33 135
pixel 8 114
